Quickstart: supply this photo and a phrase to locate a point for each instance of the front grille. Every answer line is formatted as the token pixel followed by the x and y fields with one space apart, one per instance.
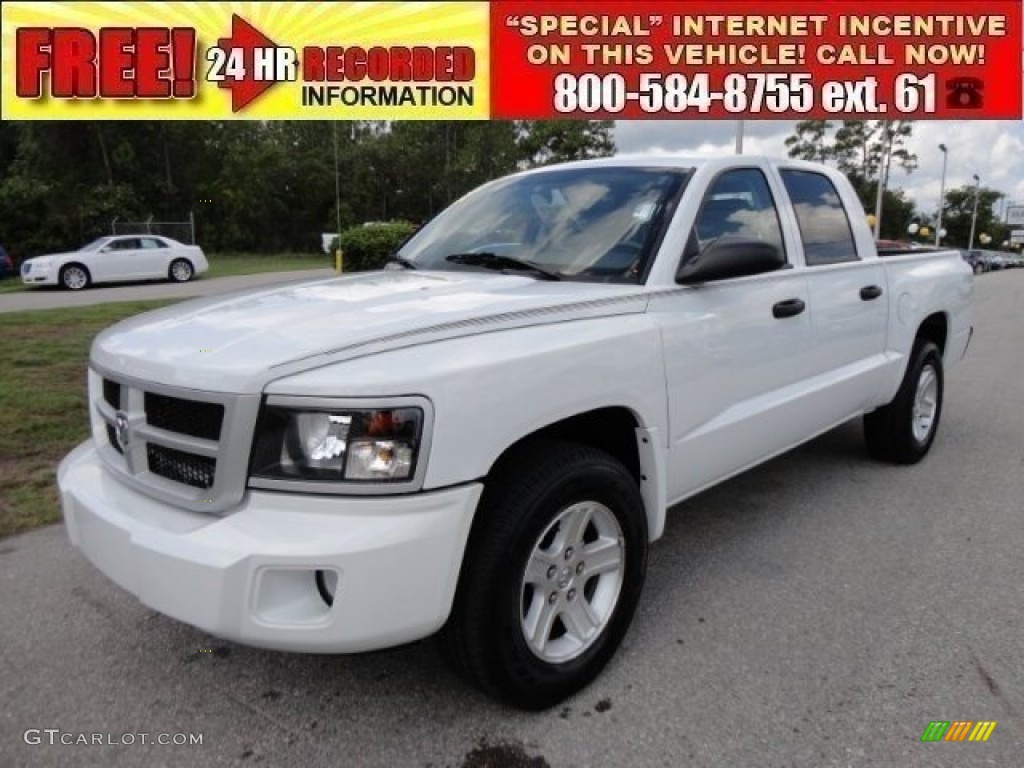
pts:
pixel 181 467
pixel 187 417
pixel 112 393
pixel 174 443
pixel 112 437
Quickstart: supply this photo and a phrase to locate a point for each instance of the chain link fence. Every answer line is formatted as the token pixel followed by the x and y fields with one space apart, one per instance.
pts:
pixel 182 231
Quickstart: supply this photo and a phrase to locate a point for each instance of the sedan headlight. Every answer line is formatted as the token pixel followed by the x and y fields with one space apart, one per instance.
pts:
pixel 339 445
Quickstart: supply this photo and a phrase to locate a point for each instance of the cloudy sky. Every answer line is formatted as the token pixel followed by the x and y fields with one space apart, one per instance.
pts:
pixel 992 149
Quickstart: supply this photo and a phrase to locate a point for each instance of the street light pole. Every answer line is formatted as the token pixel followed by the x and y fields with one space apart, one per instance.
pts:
pixel 942 194
pixel 974 215
pixel 337 181
pixel 883 176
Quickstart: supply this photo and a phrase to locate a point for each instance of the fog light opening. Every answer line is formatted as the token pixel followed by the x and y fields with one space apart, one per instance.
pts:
pixel 326 584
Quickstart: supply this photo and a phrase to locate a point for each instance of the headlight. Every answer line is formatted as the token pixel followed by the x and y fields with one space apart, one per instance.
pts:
pixel 340 445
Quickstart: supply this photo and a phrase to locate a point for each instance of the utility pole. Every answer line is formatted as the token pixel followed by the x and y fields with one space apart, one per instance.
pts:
pixel 974 215
pixel 942 194
pixel 337 199
pixel 883 175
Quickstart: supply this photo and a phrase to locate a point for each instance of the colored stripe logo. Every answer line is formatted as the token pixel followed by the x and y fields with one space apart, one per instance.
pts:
pixel 958 730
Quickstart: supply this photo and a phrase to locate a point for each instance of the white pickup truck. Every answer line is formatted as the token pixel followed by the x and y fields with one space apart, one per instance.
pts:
pixel 482 440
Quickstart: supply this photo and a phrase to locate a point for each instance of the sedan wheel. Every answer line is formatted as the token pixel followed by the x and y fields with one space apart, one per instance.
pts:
pixel 181 271
pixel 74 277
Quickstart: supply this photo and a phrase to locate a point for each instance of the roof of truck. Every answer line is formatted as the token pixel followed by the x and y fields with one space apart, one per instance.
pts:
pixel 673 160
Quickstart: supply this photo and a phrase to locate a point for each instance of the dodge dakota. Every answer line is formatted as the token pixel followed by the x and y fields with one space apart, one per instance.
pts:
pixel 481 440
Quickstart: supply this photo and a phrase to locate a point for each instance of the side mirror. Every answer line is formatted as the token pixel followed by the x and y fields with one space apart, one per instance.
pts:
pixel 730 256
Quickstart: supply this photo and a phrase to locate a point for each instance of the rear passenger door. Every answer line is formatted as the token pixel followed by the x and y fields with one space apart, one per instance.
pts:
pixel 848 300
pixel 153 257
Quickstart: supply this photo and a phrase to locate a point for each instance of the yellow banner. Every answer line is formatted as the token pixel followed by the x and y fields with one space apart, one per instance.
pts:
pixel 222 60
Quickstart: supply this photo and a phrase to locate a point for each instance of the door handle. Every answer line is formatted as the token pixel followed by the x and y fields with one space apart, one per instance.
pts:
pixel 870 292
pixel 788 308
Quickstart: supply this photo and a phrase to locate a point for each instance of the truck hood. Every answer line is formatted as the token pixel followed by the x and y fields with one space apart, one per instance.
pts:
pixel 240 342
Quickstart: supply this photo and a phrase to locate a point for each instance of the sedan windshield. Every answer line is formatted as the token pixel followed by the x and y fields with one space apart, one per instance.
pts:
pixel 581 223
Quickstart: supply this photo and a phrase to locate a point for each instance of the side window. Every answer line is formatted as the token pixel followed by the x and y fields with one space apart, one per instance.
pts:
pixel 152 243
pixel 739 203
pixel 125 244
pixel 824 226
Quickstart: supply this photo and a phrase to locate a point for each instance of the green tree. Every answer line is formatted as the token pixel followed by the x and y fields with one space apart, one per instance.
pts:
pixel 862 149
pixel 959 210
pixel 251 185
pixel 543 142
pixel 808 141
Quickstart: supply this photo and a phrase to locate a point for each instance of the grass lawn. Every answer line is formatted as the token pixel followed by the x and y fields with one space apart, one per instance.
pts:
pixel 43 415
pixel 226 264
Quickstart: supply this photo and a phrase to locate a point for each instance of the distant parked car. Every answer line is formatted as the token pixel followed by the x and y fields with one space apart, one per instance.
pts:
pixel 974 259
pixel 6 264
pixel 117 259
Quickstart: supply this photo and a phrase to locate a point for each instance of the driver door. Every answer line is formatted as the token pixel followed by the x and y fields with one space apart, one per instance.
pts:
pixel 118 260
pixel 737 353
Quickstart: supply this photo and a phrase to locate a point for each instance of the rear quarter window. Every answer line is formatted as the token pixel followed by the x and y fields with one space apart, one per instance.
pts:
pixel 824 225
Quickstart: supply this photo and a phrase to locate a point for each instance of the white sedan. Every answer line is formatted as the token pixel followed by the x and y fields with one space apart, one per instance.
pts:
pixel 117 259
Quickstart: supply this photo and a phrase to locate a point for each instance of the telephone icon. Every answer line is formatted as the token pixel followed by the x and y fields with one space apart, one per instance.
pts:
pixel 964 93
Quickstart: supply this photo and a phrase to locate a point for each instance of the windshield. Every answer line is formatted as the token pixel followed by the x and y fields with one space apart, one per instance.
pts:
pixel 95 245
pixel 584 223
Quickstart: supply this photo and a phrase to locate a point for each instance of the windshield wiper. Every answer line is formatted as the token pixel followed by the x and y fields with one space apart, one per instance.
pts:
pixel 497 261
pixel 400 261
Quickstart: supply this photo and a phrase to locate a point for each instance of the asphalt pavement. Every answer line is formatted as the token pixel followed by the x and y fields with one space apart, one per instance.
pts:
pixel 820 610
pixel 55 298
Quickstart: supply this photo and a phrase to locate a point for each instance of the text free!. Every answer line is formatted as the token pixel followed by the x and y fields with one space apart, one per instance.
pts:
pixel 121 62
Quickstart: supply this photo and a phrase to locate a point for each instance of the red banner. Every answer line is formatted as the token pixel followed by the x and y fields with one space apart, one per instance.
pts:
pixel 881 59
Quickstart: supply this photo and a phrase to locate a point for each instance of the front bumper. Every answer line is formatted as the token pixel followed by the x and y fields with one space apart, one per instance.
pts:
pixel 46 276
pixel 249 575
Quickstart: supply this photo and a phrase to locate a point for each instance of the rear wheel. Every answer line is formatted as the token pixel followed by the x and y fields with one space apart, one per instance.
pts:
pixel 552 574
pixel 181 270
pixel 903 431
pixel 74 277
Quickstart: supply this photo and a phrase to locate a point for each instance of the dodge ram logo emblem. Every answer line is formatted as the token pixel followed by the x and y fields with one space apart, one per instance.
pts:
pixel 121 430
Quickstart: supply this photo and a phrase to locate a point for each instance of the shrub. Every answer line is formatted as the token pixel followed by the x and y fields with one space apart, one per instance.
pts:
pixel 368 247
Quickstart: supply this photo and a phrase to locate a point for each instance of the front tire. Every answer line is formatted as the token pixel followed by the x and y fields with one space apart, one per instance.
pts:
pixel 552 574
pixel 74 277
pixel 902 432
pixel 180 271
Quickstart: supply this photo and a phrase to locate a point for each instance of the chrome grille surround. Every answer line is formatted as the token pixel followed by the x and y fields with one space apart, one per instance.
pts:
pixel 128 442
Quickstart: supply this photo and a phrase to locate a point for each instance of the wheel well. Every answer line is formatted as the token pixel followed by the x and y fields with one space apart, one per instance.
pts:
pixel 612 430
pixel 935 328
pixel 80 265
